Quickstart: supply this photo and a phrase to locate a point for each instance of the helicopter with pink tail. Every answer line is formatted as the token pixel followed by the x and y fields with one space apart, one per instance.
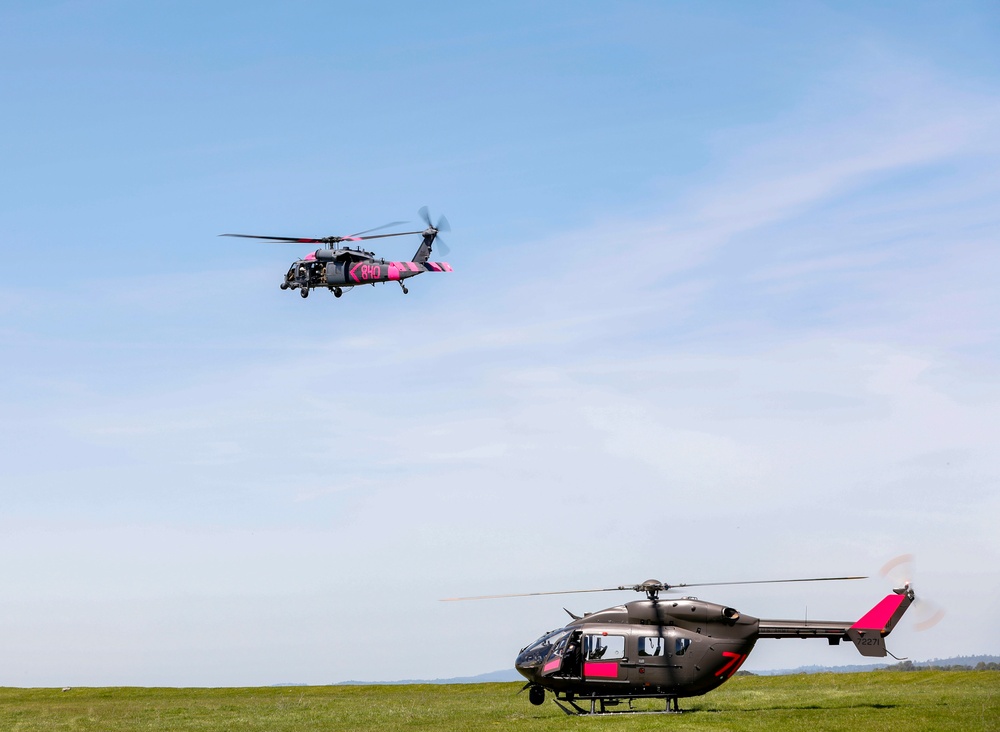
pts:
pixel 340 268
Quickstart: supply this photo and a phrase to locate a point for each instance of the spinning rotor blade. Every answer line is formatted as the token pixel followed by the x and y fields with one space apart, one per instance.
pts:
pixel 355 237
pixel 646 586
pixel 328 239
pixel 765 582
pixel 381 236
pixel 442 225
pixel 653 585
pixel 290 239
pixel 379 228
pixel 900 570
pixel 531 594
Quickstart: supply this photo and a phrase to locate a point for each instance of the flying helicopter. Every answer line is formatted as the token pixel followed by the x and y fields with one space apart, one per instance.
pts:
pixel 671 648
pixel 340 268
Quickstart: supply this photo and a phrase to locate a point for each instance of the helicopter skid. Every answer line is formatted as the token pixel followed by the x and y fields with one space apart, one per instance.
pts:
pixel 599 705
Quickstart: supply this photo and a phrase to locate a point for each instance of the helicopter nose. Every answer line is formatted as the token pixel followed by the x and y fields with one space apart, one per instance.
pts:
pixel 527 671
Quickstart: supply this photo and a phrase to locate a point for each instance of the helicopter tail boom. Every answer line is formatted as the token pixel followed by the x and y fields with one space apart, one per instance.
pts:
pixel 868 633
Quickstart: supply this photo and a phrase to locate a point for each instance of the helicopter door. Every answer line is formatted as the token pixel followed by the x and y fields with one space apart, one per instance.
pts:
pixel 659 657
pixel 557 660
pixel 604 656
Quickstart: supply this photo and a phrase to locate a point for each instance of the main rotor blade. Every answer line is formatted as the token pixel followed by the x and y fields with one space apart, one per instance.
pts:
pixel 382 236
pixel 291 239
pixel 664 587
pixel 532 594
pixel 765 582
pixel 377 228
pixel 325 240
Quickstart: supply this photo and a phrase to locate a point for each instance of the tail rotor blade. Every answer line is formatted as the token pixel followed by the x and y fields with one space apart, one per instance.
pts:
pixel 898 570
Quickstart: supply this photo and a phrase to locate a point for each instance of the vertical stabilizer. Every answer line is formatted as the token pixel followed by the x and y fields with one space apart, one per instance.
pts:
pixel 869 633
pixel 424 250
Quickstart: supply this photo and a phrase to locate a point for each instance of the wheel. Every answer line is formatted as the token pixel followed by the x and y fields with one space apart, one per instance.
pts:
pixel 284 285
pixel 304 292
pixel 405 291
pixel 536 695
pixel 337 292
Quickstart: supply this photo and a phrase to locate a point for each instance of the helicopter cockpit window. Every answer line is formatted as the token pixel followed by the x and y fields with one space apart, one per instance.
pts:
pixel 652 646
pixel 603 647
pixel 538 651
pixel 681 645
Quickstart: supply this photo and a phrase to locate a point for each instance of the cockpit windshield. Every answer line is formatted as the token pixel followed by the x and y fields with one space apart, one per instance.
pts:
pixel 536 653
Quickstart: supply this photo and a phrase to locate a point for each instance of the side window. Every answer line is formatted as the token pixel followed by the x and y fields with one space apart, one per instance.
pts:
pixel 603 647
pixel 652 646
pixel 681 645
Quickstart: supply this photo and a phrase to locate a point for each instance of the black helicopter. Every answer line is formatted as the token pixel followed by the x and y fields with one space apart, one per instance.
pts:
pixel 339 269
pixel 667 649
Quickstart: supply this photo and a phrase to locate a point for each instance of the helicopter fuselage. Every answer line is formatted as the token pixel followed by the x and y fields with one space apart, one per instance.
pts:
pixel 337 270
pixel 672 648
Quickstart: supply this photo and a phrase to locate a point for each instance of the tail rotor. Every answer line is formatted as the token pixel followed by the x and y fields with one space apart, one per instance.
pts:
pixel 434 229
pixel 900 570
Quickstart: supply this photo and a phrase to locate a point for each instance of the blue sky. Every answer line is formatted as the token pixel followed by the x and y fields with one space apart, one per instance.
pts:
pixel 723 307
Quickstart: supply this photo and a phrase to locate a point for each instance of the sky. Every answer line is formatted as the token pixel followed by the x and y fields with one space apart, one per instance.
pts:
pixel 723 308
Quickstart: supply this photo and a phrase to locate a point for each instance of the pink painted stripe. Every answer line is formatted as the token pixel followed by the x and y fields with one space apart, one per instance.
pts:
pixel 393 272
pixel 880 615
pixel 446 267
pixel 552 665
pixel 434 266
pixel 601 670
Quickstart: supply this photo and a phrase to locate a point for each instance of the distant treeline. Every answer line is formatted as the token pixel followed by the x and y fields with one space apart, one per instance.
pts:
pixel 956 663
pixel 911 666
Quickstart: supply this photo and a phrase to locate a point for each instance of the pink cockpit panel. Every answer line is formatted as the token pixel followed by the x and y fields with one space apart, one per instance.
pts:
pixel 880 615
pixel 600 670
pixel 552 665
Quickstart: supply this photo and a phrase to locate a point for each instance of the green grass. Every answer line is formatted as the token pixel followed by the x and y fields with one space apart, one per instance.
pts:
pixel 862 702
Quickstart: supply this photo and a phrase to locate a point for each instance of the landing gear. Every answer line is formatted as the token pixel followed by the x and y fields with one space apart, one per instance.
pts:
pixel 304 292
pixel 405 291
pixel 536 695
pixel 337 292
pixel 284 285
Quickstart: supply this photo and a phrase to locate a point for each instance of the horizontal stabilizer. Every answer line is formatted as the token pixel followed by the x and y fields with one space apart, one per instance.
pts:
pixel 421 266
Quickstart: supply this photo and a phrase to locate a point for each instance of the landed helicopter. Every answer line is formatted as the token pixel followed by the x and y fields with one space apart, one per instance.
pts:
pixel 339 269
pixel 667 649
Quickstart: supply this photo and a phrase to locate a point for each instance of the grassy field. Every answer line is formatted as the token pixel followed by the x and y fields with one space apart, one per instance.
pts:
pixel 921 700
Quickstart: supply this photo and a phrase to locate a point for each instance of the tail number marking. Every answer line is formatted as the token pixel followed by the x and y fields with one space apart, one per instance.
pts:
pixel 366 272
